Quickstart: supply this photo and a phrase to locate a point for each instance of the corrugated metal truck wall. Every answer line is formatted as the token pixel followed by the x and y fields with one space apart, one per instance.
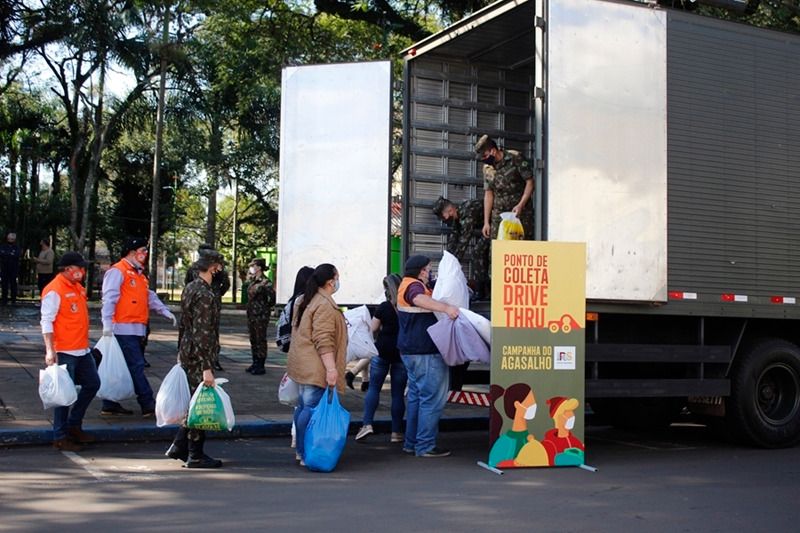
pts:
pixel 449 105
pixel 734 158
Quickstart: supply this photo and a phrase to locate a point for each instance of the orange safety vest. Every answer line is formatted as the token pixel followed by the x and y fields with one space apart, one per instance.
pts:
pixel 71 326
pixel 401 294
pixel 132 307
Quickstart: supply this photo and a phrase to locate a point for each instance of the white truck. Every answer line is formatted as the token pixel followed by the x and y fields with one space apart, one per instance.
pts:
pixel 669 143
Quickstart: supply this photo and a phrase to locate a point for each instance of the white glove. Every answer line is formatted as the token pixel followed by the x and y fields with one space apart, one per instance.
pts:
pixel 108 331
pixel 172 317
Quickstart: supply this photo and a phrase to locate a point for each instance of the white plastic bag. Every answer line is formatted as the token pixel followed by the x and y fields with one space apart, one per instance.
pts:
pixel 451 284
pixel 360 343
pixel 172 400
pixel 56 388
pixel 288 391
pixel 116 383
pixel 206 413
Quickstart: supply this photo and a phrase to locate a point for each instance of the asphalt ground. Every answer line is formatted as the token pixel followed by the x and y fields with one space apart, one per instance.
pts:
pixel 254 398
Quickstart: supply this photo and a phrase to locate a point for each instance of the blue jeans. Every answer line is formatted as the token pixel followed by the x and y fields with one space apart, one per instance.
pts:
pixel 134 358
pixel 83 372
pixel 428 384
pixel 310 395
pixel 378 368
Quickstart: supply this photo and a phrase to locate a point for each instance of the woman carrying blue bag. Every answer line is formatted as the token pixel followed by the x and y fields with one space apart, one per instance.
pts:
pixel 318 349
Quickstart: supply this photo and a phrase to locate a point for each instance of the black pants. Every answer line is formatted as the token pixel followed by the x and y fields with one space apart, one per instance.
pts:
pixel 42 280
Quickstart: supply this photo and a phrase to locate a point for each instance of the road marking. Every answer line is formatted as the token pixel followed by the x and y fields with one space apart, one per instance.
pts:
pixel 86 465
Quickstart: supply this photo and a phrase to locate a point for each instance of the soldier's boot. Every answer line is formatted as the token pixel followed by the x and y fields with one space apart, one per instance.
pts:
pixel 258 367
pixel 197 457
pixel 180 446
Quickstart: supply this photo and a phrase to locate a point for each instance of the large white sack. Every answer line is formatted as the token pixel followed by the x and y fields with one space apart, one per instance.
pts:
pixel 451 285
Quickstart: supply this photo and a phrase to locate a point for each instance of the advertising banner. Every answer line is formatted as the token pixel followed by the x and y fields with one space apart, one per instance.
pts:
pixel 537 370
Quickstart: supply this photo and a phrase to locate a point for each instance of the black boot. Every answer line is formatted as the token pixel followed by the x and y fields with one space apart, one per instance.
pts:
pixel 197 457
pixel 258 367
pixel 180 446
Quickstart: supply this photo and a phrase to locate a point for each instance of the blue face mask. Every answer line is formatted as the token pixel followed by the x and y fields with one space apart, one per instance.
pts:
pixel 335 285
pixel 488 160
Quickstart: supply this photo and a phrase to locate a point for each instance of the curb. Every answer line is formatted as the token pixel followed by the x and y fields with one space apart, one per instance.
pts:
pixel 245 430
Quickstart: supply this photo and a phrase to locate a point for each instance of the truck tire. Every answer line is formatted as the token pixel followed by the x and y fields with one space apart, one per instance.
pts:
pixel 764 406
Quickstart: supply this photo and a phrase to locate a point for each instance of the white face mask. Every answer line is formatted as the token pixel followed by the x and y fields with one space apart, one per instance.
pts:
pixel 530 412
pixel 252 271
pixel 570 423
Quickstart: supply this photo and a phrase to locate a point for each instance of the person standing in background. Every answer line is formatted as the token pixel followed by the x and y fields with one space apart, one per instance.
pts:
pixel 44 265
pixel 10 253
pixel 260 301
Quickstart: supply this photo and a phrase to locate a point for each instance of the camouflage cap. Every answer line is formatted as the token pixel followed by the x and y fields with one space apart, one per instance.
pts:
pixel 439 206
pixel 259 262
pixel 480 146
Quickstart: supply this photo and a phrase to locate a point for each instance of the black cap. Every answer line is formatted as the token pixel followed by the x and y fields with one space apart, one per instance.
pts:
pixel 134 243
pixel 72 259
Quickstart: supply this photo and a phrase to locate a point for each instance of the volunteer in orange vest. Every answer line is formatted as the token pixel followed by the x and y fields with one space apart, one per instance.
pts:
pixel 65 328
pixel 127 301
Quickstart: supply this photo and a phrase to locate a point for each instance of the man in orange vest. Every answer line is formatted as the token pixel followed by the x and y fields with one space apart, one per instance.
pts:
pixel 65 328
pixel 127 301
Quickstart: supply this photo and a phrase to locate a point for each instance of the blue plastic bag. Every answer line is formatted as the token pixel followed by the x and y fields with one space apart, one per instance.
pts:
pixel 326 433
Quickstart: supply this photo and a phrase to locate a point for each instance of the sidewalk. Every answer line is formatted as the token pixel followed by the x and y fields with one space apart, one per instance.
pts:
pixel 254 398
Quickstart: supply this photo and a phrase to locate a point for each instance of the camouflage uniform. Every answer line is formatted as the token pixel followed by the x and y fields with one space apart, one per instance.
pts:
pixel 199 336
pixel 260 301
pixel 220 283
pixel 508 184
pixel 469 224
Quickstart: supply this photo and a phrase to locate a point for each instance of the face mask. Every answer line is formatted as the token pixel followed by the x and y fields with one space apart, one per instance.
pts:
pixel 530 412
pixel 77 275
pixel 140 257
pixel 252 271
pixel 488 161
pixel 335 285
pixel 449 221
pixel 570 422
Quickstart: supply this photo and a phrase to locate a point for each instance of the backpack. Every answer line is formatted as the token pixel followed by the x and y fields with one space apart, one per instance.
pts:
pixel 284 333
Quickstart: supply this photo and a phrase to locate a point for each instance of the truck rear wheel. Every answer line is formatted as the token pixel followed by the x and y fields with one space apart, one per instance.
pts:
pixel 764 406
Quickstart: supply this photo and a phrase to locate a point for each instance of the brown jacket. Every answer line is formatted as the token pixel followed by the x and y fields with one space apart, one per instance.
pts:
pixel 321 330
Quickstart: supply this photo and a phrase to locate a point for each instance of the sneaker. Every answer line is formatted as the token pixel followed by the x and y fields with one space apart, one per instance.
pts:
pixel 436 452
pixel 398 437
pixel 364 432
pixel 408 451
pixel 116 410
pixel 149 412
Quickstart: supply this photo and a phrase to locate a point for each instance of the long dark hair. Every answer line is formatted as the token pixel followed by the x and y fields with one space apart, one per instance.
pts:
pixel 514 393
pixel 300 280
pixel 321 275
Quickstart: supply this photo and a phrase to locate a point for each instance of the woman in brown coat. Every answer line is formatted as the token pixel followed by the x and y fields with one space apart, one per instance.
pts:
pixel 319 347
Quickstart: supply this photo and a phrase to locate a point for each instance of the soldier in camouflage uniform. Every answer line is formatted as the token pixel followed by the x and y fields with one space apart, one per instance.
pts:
pixel 197 350
pixel 467 221
pixel 219 284
pixel 509 188
pixel 260 301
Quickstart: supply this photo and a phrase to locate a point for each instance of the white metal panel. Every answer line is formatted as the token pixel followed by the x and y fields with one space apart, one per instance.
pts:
pixel 607 144
pixel 335 176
